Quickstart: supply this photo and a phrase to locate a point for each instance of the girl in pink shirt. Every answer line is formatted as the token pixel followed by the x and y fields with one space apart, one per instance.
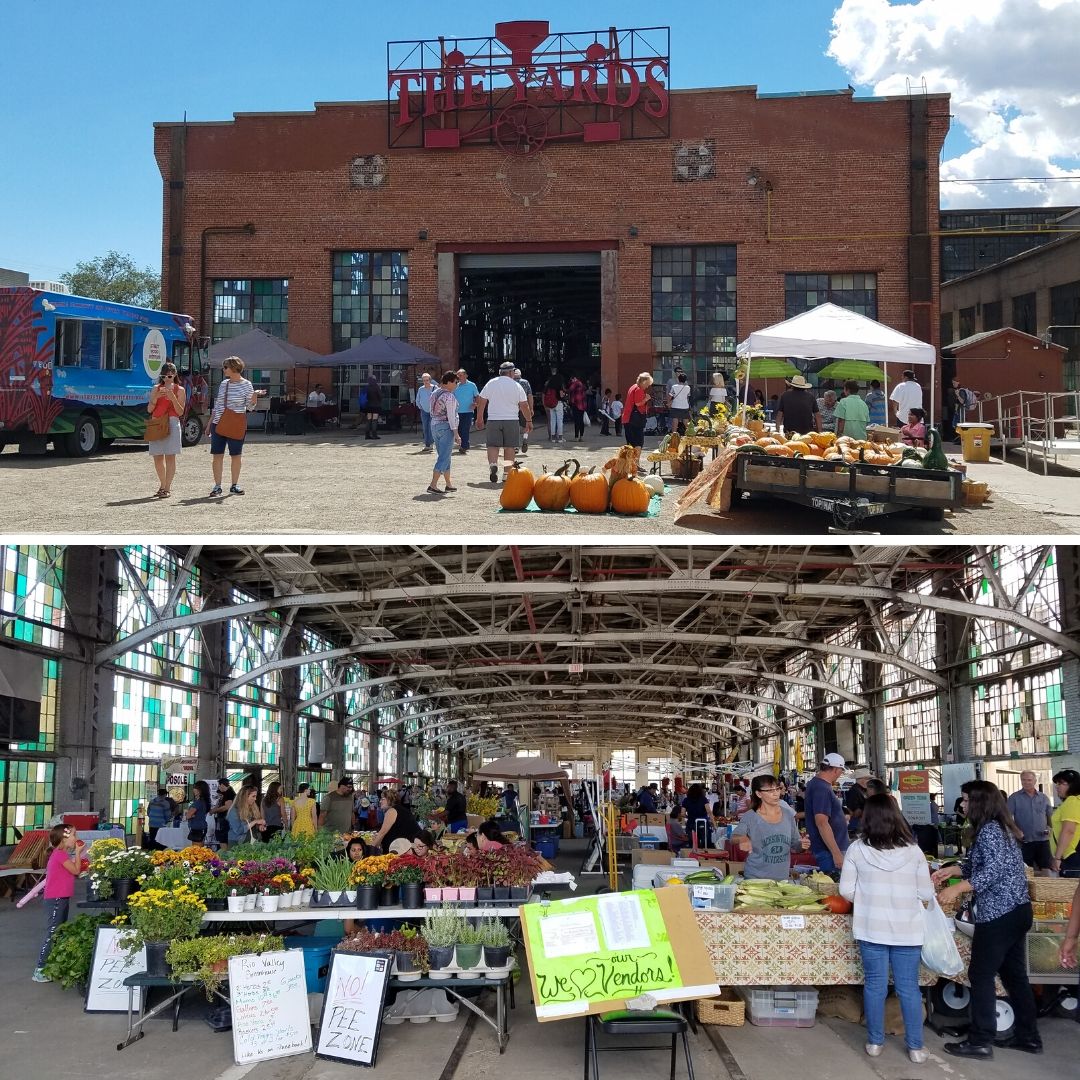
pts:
pixel 63 867
pixel 914 431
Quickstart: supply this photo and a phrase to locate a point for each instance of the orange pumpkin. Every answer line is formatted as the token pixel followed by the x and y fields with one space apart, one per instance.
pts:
pixel 798 446
pixel 837 904
pixel 766 440
pixel 779 450
pixel 552 491
pixel 630 496
pixel 589 492
pixel 517 491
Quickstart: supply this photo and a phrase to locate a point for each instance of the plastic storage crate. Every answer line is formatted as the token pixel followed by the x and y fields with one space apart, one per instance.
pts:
pixel 780 1006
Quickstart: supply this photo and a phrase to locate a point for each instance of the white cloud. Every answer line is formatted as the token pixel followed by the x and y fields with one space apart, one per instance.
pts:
pixel 1012 69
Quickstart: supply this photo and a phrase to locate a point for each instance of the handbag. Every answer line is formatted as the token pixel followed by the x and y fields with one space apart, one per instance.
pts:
pixel 232 425
pixel 157 427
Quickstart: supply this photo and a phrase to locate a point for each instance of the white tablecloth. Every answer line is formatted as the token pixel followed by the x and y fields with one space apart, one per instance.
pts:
pixel 174 837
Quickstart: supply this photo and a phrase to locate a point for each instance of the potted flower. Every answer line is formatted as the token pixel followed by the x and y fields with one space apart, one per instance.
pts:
pixel 467 950
pixel 500 864
pixel 442 931
pixel 522 866
pixel 496 940
pixel 156 917
pixel 206 959
pixel 332 879
pixel 117 872
pixel 407 872
pixel 304 878
pixel 369 875
pixel 410 951
pixel 209 880
pixel 434 877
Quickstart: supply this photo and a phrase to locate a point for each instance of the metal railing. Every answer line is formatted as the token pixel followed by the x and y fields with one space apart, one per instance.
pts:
pixel 1047 424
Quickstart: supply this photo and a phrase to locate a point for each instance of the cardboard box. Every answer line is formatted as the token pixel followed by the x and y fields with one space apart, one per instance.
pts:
pixel 881 434
pixel 649 856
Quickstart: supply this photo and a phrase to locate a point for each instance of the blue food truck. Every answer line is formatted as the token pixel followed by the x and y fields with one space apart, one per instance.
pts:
pixel 77 372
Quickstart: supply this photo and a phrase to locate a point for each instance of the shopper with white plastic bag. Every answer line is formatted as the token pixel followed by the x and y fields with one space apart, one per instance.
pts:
pixel 885 876
pixel 994 872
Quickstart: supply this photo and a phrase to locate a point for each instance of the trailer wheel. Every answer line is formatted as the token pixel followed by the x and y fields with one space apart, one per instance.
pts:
pixel 950 1000
pixel 191 430
pixel 1006 1018
pixel 932 513
pixel 1067 1004
pixel 85 439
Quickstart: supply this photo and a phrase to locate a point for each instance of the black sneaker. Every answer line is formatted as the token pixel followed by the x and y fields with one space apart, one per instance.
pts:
pixel 493 474
pixel 235 489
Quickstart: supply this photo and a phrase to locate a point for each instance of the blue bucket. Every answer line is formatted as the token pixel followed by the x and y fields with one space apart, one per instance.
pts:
pixel 547 847
pixel 317 952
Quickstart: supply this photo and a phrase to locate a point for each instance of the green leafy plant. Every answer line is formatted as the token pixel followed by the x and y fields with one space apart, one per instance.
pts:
pixel 471 935
pixel 443 926
pixel 73 950
pixel 160 915
pixel 494 933
pixel 332 875
pixel 206 958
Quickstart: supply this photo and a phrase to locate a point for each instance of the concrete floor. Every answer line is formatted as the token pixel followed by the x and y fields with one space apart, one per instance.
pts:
pixel 338 483
pixel 45 1033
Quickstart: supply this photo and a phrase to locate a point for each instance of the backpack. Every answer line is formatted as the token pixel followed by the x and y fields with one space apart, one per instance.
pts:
pixel 362 397
pixel 967 398
pixel 551 398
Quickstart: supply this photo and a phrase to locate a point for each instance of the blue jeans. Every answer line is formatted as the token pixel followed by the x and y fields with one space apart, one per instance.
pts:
pixel 464 426
pixel 56 913
pixel 425 426
pixel 825 860
pixel 904 960
pixel 444 445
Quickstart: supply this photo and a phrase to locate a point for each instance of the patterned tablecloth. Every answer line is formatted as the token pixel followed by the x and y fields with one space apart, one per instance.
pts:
pixel 753 949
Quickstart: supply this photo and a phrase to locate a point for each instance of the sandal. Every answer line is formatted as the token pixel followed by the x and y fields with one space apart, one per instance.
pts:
pixel 160 493
pixel 166 494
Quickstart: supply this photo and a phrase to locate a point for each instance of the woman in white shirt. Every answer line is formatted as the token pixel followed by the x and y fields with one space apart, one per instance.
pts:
pixel 886 878
pixel 718 391
pixel 679 393
pixel 238 396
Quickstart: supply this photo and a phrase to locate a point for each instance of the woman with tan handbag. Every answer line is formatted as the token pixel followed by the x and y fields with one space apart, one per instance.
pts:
pixel 236 397
pixel 167 402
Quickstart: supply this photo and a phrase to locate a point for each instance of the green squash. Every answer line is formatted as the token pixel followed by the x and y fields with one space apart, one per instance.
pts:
pixel 935 458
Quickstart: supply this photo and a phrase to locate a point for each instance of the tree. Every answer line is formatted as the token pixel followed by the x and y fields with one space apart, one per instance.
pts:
pixel 115 277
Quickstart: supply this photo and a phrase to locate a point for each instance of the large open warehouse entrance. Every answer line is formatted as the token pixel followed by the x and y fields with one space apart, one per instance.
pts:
pixel 541 310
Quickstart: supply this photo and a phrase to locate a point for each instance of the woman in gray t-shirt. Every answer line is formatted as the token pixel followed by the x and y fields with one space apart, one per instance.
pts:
pixel 768 832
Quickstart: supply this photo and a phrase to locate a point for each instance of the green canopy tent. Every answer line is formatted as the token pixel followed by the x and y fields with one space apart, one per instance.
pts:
pixel 859 370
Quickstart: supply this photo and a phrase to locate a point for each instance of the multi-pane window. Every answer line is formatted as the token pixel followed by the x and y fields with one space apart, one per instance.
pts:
pixel 1023 313
pixel 992 315
pixel 253 734
pixel 150 720
pixel 1065 318
pixel 1019 716
pixel 802 748
pixel 32 599
pixel 357 755
pixel 26 796
pixel 912 729
pixel 693 311
pixel 387 757
pixel 243 304
pixel 371 296
pixel 967 322
pixel 856 292
pixel 130 788
pixel 624 766
pixel 945 328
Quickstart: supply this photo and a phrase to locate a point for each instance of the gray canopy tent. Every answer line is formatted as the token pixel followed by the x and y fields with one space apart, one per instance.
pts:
pixel 377 350
pixel 265 352
pixel 530 769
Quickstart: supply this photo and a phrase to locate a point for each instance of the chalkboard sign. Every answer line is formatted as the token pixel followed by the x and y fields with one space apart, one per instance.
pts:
pixel 269 1006
pixel 109 967
pixel 352 1008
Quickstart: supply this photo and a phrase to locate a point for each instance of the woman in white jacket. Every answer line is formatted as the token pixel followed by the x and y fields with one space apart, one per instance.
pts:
pixel 886 878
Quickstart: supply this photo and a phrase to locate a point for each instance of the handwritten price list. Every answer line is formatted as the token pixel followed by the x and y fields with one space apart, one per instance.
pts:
pixel 269 1006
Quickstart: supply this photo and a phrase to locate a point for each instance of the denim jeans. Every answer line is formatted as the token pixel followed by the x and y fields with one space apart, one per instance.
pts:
pixel 425 426
pixel 443 434
pixel 56 913
pixel 904 960
pixel 825 860
pixel 464 426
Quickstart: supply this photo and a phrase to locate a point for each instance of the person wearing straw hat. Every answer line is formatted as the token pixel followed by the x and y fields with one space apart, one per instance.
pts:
pixel 798 408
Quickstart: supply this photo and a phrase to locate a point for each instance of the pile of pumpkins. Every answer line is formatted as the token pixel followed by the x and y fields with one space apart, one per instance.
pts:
pixel 594 491
pixel 826 446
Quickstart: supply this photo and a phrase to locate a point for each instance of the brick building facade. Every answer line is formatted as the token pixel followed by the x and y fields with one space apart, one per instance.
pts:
pixel 844 190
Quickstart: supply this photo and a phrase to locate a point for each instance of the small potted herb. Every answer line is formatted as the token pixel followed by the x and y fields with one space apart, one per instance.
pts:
pixel 206 959
pixel 468 948
pixel 442 931
pixel 496 940
pixel 332 878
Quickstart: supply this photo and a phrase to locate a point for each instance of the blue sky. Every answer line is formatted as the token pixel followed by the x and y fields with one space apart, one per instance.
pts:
pixel 83 82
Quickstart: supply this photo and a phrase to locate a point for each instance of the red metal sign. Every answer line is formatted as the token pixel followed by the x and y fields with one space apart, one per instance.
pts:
pixel 526 86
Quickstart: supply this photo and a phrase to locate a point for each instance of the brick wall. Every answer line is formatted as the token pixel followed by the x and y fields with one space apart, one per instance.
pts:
pixel 839 202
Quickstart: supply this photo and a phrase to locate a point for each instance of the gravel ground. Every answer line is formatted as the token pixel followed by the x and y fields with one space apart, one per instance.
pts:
pixel 338 483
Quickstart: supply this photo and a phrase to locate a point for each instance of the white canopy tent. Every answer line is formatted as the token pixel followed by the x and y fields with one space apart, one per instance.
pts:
pixel 828 331
pixel 525 770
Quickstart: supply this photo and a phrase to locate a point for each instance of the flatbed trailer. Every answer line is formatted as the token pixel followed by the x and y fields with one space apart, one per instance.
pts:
pixel 850 492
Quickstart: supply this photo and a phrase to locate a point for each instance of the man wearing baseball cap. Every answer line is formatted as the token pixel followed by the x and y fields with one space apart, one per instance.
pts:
pixel 825 821
pixel 500 401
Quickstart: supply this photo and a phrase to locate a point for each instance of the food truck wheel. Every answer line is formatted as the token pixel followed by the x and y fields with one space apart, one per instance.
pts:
pixel 85 439
pixel 191 431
